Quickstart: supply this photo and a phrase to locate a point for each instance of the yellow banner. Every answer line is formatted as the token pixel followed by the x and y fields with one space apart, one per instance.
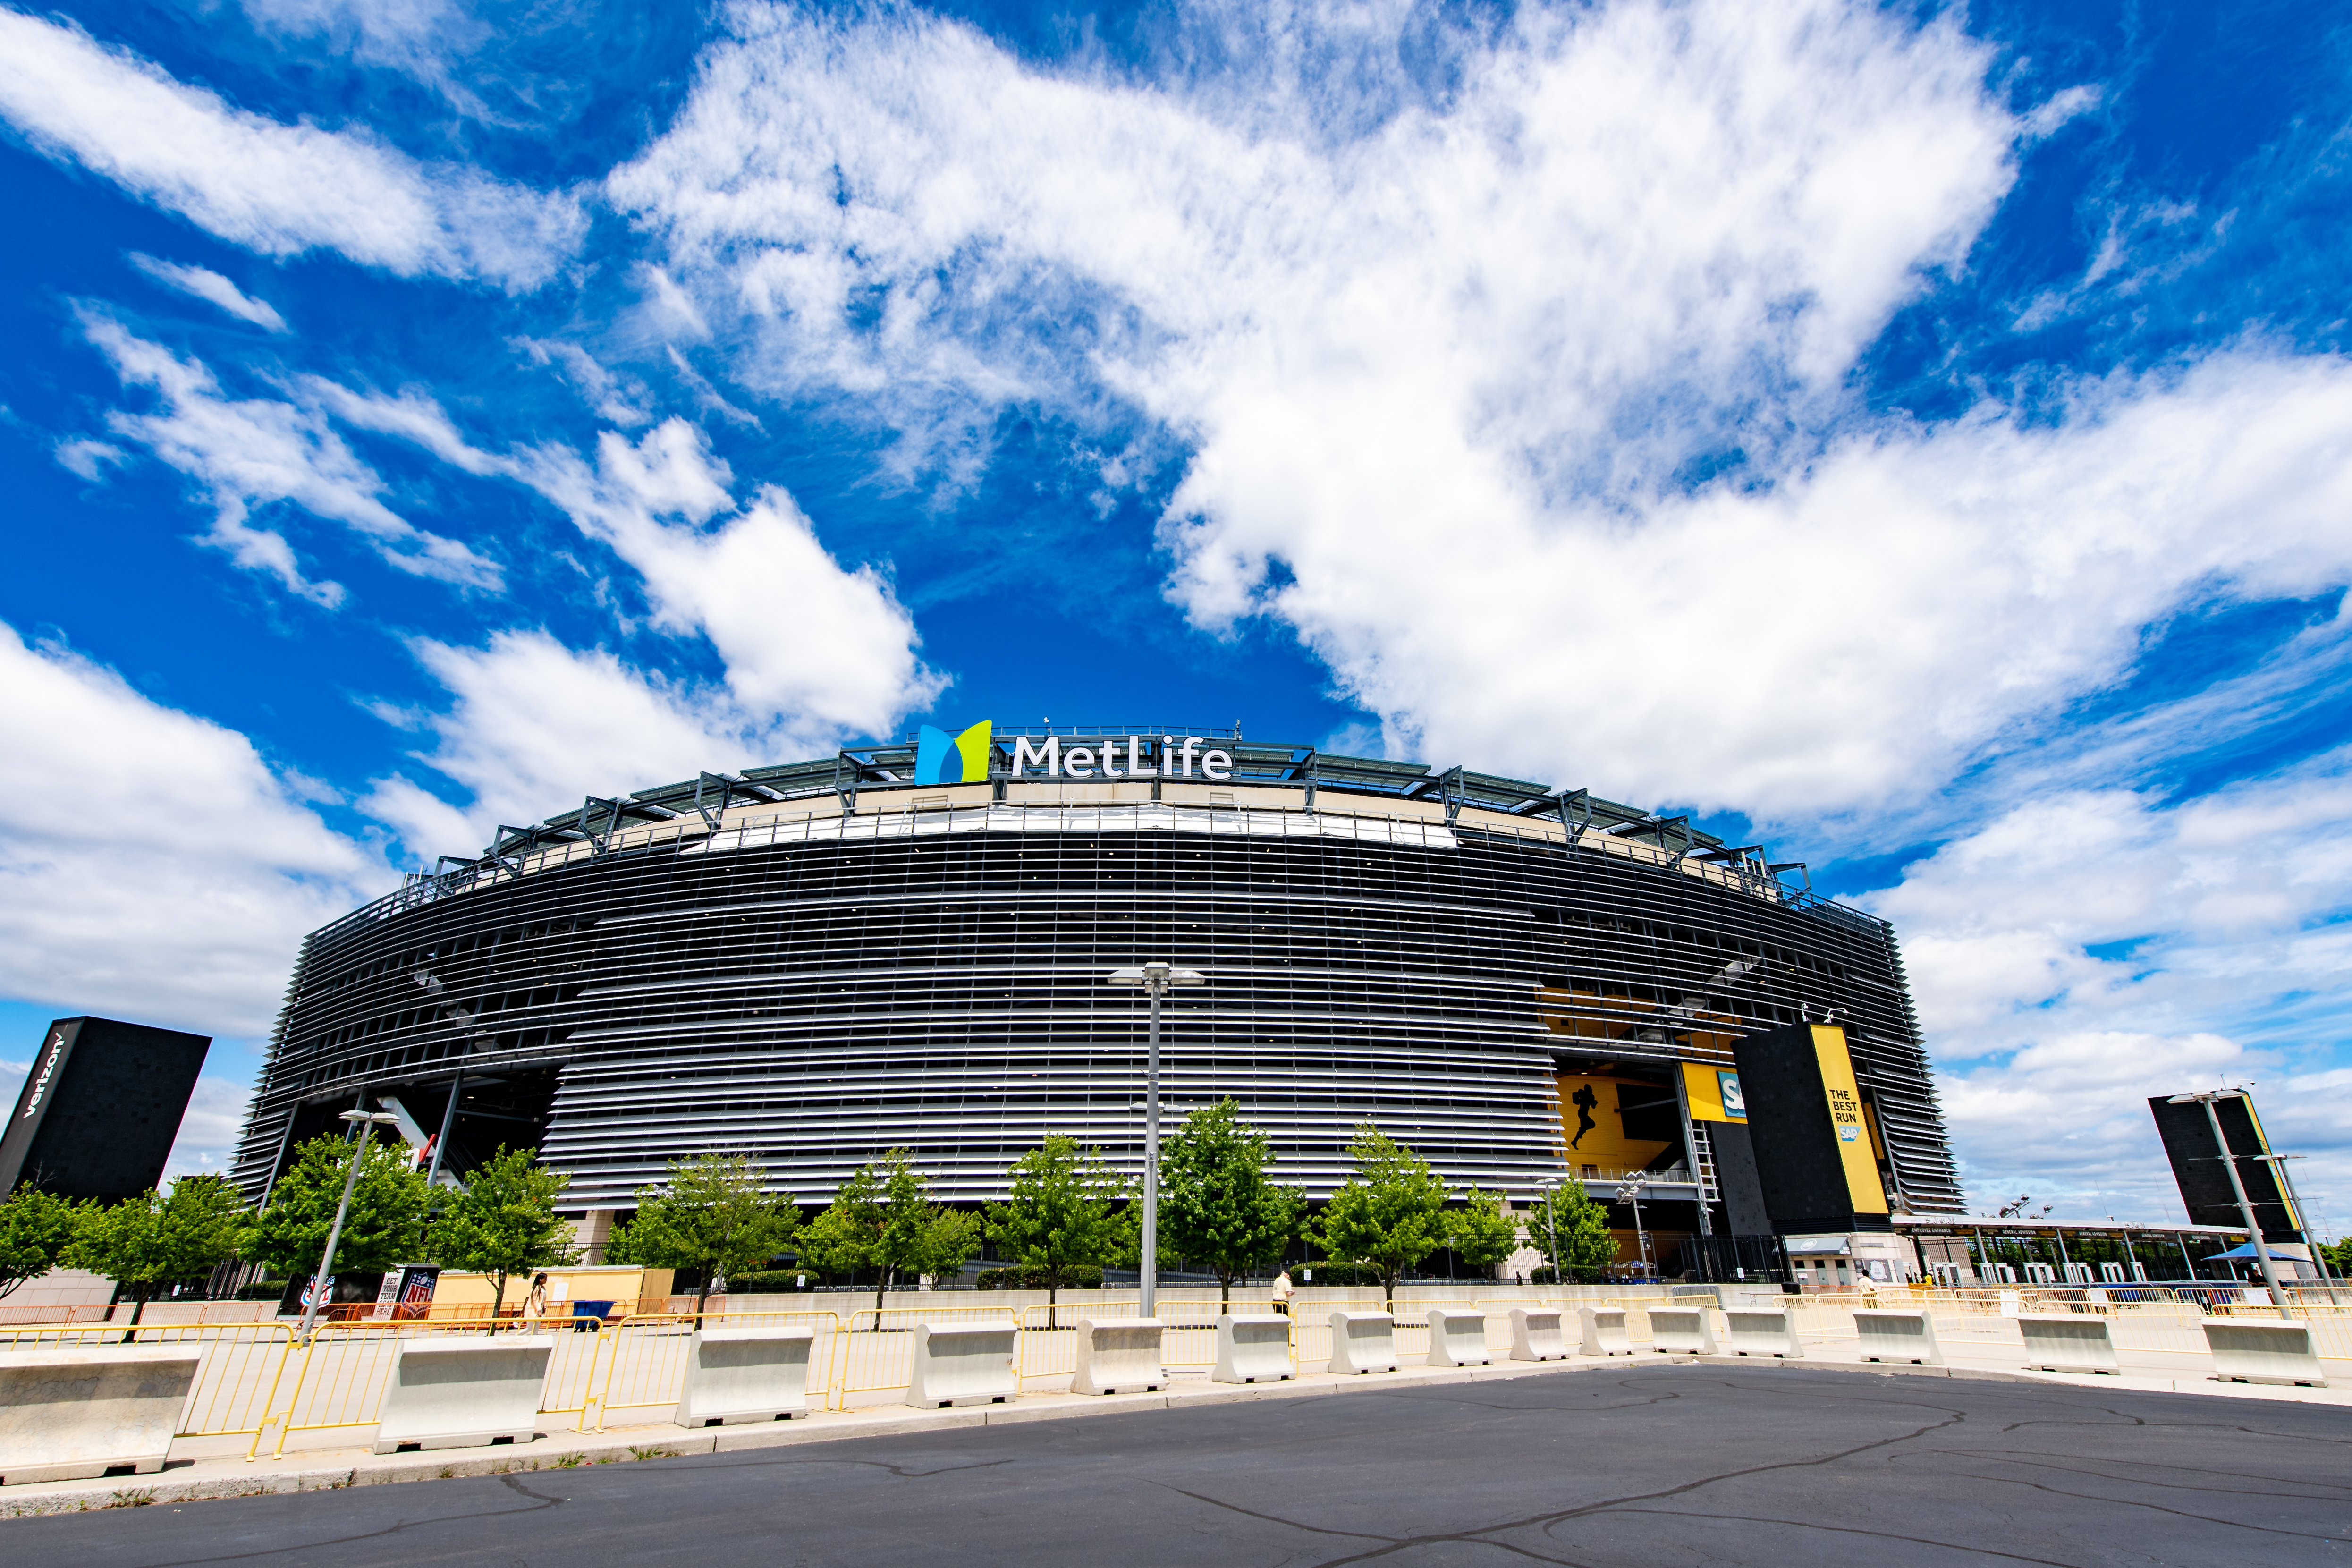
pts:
pixel 1845 1110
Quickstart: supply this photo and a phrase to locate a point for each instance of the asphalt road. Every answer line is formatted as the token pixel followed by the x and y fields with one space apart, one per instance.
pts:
pixel 1659 1466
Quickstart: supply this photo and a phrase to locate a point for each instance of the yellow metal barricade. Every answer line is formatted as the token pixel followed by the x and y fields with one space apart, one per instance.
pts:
pixel 876 1349
pixel 644 1358
pixel 338 1380
pixel 241 1361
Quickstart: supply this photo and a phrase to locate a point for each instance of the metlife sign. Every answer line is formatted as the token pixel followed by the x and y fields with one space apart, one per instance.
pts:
pixel 941 758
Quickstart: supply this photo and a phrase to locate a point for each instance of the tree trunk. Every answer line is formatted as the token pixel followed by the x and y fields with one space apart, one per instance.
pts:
pixel 881 1284
pixel 138 1305
pixel 1052 1295
pixel 1388 1288
pixel 498 1301
pixel 1225 1284
pixel 702 1299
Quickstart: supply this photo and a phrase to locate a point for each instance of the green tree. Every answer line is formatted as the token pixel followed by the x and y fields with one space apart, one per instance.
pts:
pixel 1479 1232
pixel 711 1215
pixel 1583 1244
pixel 384 1228
pixel 36 1229
pixel 1217 1207
pixel 882 1219
pixel 2340 1257
pixel 1391 1213
pixel 501 1222
pixel 146 1243
pixel 1068 1210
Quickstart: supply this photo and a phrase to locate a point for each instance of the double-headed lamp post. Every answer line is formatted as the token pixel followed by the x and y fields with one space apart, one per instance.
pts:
pixel 368 1120
pixel 1630 1193
pixel 2229 1163
pixel 1155 979
pixel 1551 1224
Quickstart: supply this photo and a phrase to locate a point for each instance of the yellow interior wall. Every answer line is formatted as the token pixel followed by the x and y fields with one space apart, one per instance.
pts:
pixel 1604 1143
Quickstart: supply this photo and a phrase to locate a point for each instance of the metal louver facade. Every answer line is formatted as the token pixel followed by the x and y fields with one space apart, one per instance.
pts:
pixel 816 977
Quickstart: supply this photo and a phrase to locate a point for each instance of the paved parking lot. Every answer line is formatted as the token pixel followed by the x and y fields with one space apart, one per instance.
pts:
pixel 1648 1466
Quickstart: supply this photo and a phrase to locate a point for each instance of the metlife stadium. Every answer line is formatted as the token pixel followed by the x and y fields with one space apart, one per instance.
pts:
pixel 905 945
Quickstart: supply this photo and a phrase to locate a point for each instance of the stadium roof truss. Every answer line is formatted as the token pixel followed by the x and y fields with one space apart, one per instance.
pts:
pixel 888 768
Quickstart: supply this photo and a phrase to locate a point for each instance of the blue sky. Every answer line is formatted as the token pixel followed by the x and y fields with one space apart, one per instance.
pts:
pixel 1920 437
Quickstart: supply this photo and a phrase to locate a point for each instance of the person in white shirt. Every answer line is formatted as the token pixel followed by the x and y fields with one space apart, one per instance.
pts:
pixel 1282 1292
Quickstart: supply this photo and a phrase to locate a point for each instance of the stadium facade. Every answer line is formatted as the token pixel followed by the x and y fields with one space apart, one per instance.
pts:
pixel 818 962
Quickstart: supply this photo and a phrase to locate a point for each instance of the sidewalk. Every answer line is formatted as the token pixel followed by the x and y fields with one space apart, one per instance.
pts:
pixel 203 1468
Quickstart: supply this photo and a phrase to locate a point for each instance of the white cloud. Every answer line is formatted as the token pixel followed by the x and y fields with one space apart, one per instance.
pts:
pixel 274 188
pixel 406 35
pixel 799 634
pixel 1450 372
pixel 534 727
pixel 623 399
pixel 152 864
pixel 2224 959
pixel 89 458
pixel 812 652
pixel 211 287
pixel 1444 376
pixel 252 452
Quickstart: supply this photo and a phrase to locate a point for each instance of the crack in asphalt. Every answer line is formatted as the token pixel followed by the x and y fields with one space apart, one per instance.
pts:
pixel 539 1505
pixel 1551 1519
pixel 540 1501
pixel 1815 1524
pixel 2079 1465
pixel 2152 1507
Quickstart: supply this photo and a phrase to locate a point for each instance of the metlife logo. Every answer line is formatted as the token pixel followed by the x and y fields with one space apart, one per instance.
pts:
pixel 943 759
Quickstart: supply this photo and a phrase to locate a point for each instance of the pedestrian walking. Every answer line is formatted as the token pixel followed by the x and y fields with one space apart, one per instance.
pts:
pixel 1282 1292
pixel 534 1306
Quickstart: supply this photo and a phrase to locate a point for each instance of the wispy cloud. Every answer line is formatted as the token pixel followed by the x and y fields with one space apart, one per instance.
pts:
pixel 209 286
pixel 250 452
pixel 274 188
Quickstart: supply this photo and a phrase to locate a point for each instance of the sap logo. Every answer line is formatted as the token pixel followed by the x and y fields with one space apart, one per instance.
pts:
pixel 1848 1133
pixel 944 759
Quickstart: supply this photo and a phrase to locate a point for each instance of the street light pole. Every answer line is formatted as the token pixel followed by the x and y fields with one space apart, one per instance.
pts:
pixel 1155 978
pixel 1631 1193
pixel 2310 1237
pixel 366 1118
pixel 1551 1222
pixel 2229 1163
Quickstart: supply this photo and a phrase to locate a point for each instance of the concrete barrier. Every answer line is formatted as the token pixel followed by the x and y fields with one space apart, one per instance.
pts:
pixel 1119 1352
pixel 1362 1341
pixel 2263 1349
pixel 2068 1341
pixel 1254 1349
pixel 1604 1330
pixel 66 1415
pixel 1681 1331
pixel 735 1375
pixel 1457 1337
pixel 965 1363
pixel 463 1393
pixel 1753 1331
pixel 1534 1335
pixel 1898 1336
